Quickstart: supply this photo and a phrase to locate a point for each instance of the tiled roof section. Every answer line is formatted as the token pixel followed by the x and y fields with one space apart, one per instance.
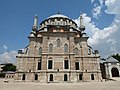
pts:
pixel 111 59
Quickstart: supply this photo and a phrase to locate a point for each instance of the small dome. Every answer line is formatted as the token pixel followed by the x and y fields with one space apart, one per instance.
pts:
pixel 57 16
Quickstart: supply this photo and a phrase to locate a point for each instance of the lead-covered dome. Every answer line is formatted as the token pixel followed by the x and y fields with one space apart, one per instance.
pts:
pixel 58 20
pixel 58 15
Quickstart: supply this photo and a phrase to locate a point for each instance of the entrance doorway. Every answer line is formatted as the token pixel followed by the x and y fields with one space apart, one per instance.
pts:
pixel 80 76
pixel 92 77
pixel 23 77
pixel 51 77
pixel 36 76
pixel 115 72
pixel 65 77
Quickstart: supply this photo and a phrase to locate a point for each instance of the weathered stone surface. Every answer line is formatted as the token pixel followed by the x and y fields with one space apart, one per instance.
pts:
pixel 76 51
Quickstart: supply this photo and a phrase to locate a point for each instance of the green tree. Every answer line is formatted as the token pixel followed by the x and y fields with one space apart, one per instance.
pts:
pixel 116 56
pixel 9 67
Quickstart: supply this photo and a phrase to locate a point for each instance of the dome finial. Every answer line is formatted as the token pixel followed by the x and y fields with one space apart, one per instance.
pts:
pixel 58 12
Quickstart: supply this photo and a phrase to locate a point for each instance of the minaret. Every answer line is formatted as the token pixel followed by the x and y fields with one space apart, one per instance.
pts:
pixel 82 27
pixel 35 25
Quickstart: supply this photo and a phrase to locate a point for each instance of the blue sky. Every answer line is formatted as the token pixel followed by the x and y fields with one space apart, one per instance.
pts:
pixel 16 20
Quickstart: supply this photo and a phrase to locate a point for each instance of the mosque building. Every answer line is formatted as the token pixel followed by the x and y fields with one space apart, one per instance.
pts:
pixel 58 52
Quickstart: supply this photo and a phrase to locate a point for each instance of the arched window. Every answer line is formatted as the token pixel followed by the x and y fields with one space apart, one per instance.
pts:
pixel 58 42
pixel 51 77
pixel 75 51
pixel 115 72
pixel 92 77
pixel 36 76
pixel 65 48
pixel 50 47
pixel 40 51
pixel 65 77
pixel 89 51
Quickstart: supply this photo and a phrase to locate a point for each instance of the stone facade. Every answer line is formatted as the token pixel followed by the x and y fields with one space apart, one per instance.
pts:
pixel 112 68
pixel 58 52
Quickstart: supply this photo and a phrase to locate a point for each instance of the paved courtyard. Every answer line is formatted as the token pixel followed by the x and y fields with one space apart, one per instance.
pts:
pixel 109 85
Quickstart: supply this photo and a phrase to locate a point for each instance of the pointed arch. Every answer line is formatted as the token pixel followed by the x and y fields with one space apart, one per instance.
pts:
pixel 58 42
pixel 50 47
pixel 75 51
pixel 40 51
pixel 65 48
pixel 89 51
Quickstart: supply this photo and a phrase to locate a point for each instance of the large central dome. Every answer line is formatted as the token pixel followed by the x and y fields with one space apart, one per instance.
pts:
pixel 58 20
pixel 58 15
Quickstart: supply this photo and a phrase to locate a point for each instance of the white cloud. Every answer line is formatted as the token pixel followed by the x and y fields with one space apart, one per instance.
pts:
pixel 9 57
pixel 113 7
pixel 107 40
pixel 101 2
pixel 5 47
pixel 96 11
pixel 92 1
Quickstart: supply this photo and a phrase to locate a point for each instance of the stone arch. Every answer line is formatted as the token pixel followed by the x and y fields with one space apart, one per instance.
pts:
pixel 66 58
pixel 50 58
pixel 115 72
pixel 76 51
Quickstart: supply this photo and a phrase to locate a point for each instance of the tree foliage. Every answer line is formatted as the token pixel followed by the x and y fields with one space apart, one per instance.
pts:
pixel 116 56
pixel 9 67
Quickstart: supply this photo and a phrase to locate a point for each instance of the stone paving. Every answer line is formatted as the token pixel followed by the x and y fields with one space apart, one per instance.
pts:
pixel 11 85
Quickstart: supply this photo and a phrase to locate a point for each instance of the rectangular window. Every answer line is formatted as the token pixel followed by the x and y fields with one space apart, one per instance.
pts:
pixel 39 65
pixel 76 65
pixel 66 64
pixel 50 64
